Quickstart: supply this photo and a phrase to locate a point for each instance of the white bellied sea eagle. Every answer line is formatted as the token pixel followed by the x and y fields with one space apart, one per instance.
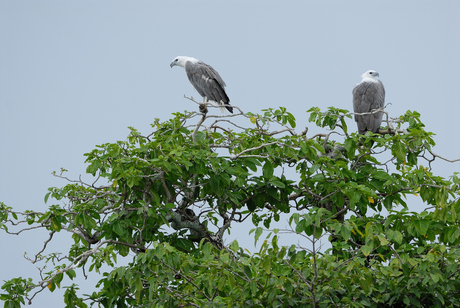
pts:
pixel 368 95
pixel 205 79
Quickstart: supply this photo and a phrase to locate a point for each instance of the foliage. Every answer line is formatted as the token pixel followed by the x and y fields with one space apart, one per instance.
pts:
pixel 170 196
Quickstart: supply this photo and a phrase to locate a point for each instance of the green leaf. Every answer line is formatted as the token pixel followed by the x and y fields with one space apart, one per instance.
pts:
pixel 383 240
pixel 291 120
pixel 382 175
pixel 367 249
pixel 434 278
pixel 267 265
pixel 247 271
pixel 399 150
pixel 422 226
pixel 57 280
pixel 278 184
pixel 267 170
pixel 258 233
pixel 184 244
pixel 47 196
pixel 221 283
pixel 234 246
pixel 398 237
pixel 71 274
pixel 118 228
pixel 345 231
pixel 288 287
pixel 344 125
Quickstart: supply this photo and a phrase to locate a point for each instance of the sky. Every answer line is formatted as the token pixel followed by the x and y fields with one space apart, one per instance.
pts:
pixel 75 74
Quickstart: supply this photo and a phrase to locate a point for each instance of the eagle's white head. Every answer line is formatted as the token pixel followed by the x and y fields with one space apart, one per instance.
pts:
pixel 181 60
pixel 370 75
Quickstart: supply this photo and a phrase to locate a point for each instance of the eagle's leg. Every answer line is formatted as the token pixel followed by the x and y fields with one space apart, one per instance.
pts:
pixel 203 108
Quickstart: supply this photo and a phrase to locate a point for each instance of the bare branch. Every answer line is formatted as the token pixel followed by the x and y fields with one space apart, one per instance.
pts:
pixel 439 156
pixel 257 148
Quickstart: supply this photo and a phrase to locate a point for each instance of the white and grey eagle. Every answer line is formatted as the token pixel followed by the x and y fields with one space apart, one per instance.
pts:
pixel 205 79
pixel 369 94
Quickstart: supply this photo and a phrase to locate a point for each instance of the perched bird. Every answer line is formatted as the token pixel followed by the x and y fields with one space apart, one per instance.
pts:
pixel 368 95
pixel 205 79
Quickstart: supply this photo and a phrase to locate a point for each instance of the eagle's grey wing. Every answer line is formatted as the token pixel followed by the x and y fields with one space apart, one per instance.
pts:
pixel 195 78
pixel 366 97
pixel 207 81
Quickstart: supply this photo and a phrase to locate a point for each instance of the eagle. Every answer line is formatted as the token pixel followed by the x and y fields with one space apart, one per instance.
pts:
pixel 205 79
pixel 368 95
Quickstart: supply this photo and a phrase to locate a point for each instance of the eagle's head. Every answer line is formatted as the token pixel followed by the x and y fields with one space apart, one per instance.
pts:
pixel 181 60
pixel 371 74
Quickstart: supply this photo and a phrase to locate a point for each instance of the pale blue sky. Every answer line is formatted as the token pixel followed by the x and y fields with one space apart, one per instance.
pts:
pixel 74 74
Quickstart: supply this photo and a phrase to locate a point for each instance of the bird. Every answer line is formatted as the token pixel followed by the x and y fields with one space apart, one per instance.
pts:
pixel 206 80
pixel 368 95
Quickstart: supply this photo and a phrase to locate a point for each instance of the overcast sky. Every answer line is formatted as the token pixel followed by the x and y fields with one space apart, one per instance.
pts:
pixel 74 74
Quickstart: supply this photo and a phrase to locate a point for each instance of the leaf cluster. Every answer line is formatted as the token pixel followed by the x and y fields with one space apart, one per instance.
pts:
pixel 168 199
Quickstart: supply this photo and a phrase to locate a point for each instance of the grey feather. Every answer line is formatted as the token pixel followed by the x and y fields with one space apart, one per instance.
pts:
pixel 207 81
pixel 367 96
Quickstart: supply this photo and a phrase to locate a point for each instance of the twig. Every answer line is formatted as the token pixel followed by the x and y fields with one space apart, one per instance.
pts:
pixel 439 156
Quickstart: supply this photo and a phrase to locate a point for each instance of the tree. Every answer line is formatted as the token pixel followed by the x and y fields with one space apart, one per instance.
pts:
pixel 169 197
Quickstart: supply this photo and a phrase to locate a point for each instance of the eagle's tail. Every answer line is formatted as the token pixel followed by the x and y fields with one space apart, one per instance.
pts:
pixel 229 108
